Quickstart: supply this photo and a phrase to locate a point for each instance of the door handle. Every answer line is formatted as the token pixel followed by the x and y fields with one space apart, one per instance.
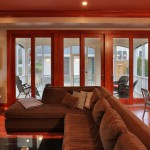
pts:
pixel 103 77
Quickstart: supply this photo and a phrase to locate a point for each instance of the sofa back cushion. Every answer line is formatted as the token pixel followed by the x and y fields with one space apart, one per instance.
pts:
pixel 105 93
pixel 88 99
pixel 111 127
pixel 70 101
pixel 133 123
pixel 99 110
pixel 128 141
pixel 94 98
pixel 53 95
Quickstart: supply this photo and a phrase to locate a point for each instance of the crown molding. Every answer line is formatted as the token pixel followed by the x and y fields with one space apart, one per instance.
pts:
pixel 70 13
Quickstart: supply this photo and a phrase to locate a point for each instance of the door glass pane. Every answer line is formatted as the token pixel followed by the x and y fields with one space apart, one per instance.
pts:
pixel 71 62
pixel 92 62
pixel 121 67
pixel 42 64
pixel 23 67
pixel 140 69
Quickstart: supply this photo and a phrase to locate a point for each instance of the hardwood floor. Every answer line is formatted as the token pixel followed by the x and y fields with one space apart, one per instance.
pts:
pixel 138 111
pixel 33 140
pixel 47 139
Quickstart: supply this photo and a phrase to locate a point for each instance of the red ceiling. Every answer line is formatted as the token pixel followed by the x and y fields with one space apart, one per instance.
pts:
pixel 100 5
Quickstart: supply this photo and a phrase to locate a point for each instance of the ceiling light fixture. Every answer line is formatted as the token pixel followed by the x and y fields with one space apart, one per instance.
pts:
pixel 84 3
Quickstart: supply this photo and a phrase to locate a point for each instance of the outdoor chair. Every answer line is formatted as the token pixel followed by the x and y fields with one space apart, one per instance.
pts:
pixel 23 88
pixel 123 80
pixel 146 97
pixel 123 89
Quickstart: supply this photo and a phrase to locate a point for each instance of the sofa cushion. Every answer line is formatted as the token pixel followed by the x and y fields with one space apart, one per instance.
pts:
pixel 96 94
pixel 128 141
pixel 82 98
pixel 73 121
pixel 133 123
pixel 43 111
pixel 70 101
pixel 111 127
pixel 104 92
pixel 53 95
pixel 99 109
pixel 79 135
pixel 88 99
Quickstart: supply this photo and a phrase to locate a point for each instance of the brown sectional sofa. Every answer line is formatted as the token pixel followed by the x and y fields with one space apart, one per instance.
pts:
pixel 83 129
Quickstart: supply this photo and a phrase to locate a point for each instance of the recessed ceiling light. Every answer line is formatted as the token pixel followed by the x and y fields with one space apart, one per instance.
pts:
pixel 84 3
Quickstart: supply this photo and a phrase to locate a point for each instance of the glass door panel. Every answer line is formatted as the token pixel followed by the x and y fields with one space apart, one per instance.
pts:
pixel 23 67
pixel 92 62
pixel 42 64
pixel 140 66
pixel 121 67
pixel 71 62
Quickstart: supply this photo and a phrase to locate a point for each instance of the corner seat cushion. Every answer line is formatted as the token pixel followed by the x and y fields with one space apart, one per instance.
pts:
pixel 99 109
pixel 111 127
pixel 104 92
pixel 94 98
pixel 128 141
pixel 43 111
pixel 80 123
pixel 80 132
pixel 53 95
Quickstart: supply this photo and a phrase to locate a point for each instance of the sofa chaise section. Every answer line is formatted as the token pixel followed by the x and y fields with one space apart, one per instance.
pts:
pixel 81 133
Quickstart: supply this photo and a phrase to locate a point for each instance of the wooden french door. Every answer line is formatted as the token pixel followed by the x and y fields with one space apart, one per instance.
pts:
pixel 130 67
pixel 29 60
pixel 83 56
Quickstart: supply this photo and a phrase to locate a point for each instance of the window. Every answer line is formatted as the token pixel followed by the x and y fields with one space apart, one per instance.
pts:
pixel 71 62
pixel 140 63
pixel 92 61
pixel 120 67
pixel 23 61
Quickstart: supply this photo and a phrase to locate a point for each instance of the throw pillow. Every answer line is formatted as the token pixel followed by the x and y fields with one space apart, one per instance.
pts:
pixel 96 94
pixel 99 109
pixel 82 97
pixel 70 101
pixel 128 141
pixel 88 99
pixel 111 127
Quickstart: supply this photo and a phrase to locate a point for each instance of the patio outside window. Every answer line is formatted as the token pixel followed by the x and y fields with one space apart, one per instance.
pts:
pixel 140 63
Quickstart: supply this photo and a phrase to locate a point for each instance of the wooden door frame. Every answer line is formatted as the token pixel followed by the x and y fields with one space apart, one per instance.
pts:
pixel 11 72
pixel 57 54
pixel 81 37
pixel 131 100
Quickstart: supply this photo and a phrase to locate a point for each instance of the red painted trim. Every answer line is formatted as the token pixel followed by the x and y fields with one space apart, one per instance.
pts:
pixel 102 60
pixel 32 66
pixel 58 53
pixel 131 70
pixel 52 59
pixel 73 13
pixel 108 63
pixel 82 61
pixel 59 64
pixel 11 69
pixel 149 63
